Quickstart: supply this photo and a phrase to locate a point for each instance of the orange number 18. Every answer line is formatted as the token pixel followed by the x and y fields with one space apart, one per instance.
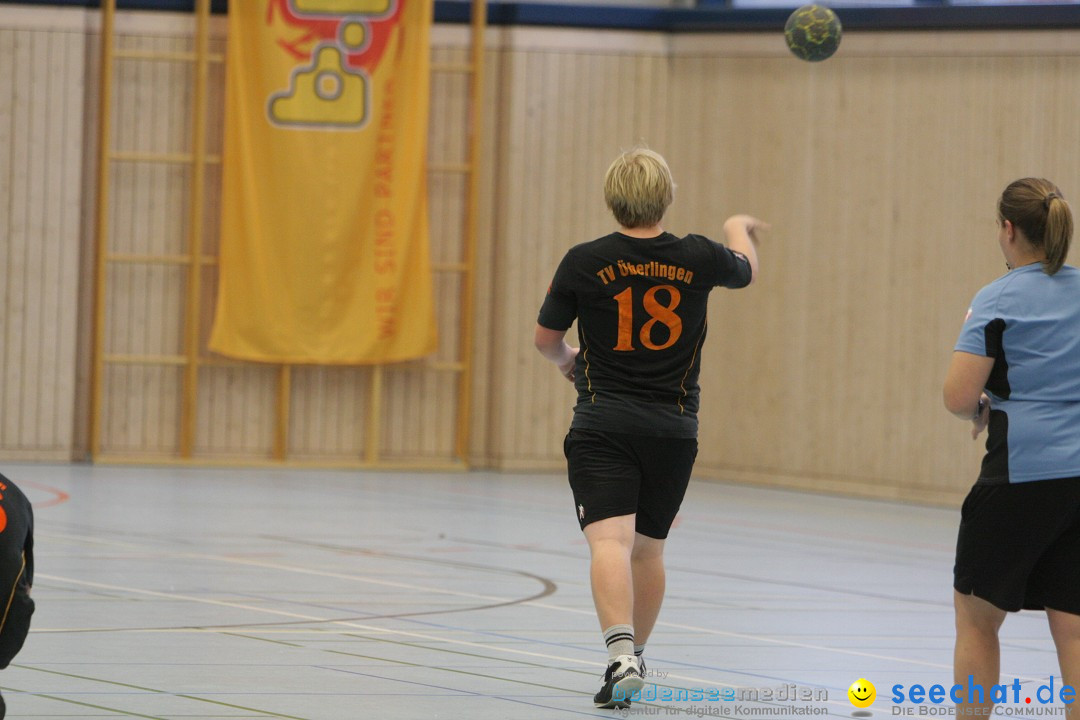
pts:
pixel 664 314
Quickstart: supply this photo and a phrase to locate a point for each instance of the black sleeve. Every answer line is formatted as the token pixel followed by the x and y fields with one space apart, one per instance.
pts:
pixel 560 305
pixel 28 546
pixel 733 269
pixel 16 570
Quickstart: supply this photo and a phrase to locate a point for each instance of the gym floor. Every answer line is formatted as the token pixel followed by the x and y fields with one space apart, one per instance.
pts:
pixel 196 593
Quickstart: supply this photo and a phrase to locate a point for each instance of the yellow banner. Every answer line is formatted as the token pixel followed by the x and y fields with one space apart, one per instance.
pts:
pixel 324 237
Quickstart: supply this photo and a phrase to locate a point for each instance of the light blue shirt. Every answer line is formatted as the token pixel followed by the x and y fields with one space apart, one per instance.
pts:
pixel 1029 322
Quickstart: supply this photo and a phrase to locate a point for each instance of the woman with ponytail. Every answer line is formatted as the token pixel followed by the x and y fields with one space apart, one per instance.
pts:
pixel 1016 370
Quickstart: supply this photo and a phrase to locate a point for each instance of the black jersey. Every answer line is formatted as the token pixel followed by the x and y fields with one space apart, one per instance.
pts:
pixel 641 309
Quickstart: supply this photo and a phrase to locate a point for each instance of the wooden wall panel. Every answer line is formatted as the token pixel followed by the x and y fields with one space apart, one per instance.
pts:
pixel 143 419
pixel 41 138
pixel 879 171
pixel 328 412
pixel 880 176
pixel 236 407
pixel 418 412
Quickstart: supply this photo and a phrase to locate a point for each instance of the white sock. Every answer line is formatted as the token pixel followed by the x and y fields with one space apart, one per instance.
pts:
pixel 619 640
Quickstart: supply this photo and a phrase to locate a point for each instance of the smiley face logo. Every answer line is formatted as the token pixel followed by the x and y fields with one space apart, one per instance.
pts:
pixel 862 693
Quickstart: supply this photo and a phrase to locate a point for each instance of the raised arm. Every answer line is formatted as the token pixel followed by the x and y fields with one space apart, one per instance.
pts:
pixel 740 232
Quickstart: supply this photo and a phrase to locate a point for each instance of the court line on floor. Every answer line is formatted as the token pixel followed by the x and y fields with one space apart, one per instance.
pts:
pixel 549 606
pixel 590 612
pixel 155 691
pixel 703 524
pixel 78 702
pixel 435 590
pixel 667 709
pixel 443 640
pixel 428 648
pixel 473 693
pixel 329 650
pixel 548 587
pixel 310 571
pixel 726 576
pixel 701 683
pixel 667 624
pixel 496 600
pixel 785 681
pixel 359 626
pixel 572 691
pixel 59 496
pixel 588 673
pixel 454 593
pixel 281 613
pixel 544 605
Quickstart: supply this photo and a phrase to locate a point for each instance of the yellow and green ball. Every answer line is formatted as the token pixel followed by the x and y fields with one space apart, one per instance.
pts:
pixel 813 32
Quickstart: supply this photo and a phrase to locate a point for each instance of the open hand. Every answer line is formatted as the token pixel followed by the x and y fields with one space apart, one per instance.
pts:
pixel 749 223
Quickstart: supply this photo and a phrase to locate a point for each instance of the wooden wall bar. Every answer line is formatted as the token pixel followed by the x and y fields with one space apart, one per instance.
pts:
pixel 878 169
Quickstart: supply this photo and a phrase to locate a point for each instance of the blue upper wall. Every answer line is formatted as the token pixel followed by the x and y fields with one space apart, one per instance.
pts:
pixel 708 17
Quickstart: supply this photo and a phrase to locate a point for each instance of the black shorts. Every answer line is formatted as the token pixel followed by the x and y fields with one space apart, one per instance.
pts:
pixel 1018 545
pixel 614 474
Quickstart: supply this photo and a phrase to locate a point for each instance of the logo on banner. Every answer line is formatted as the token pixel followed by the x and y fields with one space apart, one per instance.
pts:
pixel 336 44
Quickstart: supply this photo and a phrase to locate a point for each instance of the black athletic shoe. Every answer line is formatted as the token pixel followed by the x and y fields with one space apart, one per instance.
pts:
pixel 621 680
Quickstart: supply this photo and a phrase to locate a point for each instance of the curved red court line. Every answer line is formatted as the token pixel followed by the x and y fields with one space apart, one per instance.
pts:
pixel 59 496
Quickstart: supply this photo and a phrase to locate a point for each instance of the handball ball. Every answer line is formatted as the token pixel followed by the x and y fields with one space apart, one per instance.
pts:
pixel 813 32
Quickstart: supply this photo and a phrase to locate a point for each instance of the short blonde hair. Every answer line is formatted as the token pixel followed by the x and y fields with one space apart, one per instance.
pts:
pixel 638 188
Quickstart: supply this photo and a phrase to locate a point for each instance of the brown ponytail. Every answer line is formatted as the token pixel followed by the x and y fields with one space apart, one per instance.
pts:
pixel 1037 208
pixel 1059 228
